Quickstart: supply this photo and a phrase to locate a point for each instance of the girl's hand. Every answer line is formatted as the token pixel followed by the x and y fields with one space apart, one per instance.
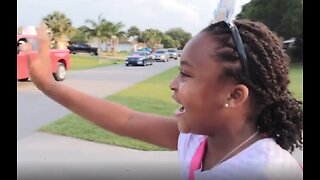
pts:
pixel 39 62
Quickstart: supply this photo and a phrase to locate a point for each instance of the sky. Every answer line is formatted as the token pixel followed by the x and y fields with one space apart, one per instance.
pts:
pixel 190 15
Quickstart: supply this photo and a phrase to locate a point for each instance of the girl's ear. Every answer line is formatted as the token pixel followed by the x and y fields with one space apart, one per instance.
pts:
pixel 238 95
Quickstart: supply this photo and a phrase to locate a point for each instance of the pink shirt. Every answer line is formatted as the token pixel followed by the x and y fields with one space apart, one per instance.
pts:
pixel 264 159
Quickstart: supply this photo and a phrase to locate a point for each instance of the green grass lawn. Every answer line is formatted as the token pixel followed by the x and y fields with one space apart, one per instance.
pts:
pixel 152 95
pixel 296 85
pixel 83 61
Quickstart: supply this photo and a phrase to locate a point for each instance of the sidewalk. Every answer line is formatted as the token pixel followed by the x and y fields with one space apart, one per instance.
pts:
pixel 46 156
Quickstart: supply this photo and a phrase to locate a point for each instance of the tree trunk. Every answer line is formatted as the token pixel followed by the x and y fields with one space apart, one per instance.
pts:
pixel 61 44
pixel 99 49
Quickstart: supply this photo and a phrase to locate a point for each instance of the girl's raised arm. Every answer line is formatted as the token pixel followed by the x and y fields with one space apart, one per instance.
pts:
pixel 158 130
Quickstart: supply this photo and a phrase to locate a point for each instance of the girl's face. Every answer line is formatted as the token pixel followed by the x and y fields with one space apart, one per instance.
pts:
pixel 198 88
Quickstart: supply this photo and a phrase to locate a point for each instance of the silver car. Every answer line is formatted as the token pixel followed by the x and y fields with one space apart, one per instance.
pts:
pixel 161 55
pixel 173 53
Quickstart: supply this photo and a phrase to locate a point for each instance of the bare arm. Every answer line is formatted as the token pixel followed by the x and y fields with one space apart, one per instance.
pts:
pixel 117 118
pixel 158 130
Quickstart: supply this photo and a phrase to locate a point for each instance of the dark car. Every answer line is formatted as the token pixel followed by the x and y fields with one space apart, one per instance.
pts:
pixel 83 48
pixel 139 58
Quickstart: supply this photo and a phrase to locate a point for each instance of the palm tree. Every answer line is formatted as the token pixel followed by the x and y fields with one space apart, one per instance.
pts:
pixel 152 37
pixel 116 34
pixel 80 36
pixel 133 31
pixel 104 30
pixel 60 26
pixel 97 30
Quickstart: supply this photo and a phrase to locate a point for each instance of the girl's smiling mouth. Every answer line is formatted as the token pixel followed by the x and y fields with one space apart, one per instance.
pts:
pixel 180 111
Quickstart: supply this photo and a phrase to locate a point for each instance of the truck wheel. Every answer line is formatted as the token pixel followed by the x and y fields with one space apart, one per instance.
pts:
pixel 60 75
pixel 23 79
pixel 93 54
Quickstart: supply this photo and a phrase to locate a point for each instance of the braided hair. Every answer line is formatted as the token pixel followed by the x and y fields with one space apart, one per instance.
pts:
pixel 280 115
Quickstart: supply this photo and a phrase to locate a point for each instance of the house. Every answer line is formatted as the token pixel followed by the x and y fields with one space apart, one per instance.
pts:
pixel 128 45
pixel 124 45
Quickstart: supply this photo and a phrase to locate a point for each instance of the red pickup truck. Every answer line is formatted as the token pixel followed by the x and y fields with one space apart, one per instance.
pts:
pixel 60 59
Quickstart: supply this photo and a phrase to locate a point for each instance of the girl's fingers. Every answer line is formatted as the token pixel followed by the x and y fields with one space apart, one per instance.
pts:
pixel 44 42
pixel 42 32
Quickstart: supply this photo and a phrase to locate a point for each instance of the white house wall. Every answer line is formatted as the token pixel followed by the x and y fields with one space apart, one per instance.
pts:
pixel 121 46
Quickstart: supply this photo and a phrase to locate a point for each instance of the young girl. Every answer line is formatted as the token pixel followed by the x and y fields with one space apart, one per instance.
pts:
pixel 237 120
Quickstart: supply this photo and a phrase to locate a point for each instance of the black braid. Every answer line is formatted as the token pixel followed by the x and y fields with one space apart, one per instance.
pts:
pixel 281 115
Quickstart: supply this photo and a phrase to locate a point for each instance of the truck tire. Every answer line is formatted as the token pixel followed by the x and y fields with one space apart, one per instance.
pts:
pixel 23 79
pixel 61 72
pixel 93 54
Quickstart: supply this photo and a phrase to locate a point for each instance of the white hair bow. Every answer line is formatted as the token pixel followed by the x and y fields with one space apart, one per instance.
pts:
pixel 224 11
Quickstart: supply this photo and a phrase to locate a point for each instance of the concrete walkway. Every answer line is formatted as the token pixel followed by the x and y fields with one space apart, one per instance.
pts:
pixel 46 156
pixel 43 156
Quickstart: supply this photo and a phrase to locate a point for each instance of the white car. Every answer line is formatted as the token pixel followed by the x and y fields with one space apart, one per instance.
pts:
pixel 161 55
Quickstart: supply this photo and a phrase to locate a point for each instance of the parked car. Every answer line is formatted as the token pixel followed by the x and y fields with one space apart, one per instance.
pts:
pixel 179 52
pixel 161 55
pixel 173 53
pixel 60 59
pixel 139 58
pixel 83 48
pixel 145 49
pixel 288 44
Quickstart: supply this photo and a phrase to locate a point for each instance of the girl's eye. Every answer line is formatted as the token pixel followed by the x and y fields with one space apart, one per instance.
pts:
pixel 183 74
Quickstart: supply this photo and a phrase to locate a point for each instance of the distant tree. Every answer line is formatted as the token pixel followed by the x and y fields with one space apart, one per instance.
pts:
pixel 179 35
pixel 284 17
pixel 80 35
pixel 133 31
pixel 168 42
pixel 96 29
pixel 60 26
pixel 152 37
pixel 116 34
pixel 103 30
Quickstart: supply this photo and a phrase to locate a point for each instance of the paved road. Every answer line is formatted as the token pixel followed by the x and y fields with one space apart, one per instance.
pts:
pixel 35 109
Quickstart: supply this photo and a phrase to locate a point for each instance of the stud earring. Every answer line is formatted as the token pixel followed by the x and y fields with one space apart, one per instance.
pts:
pixel 226 105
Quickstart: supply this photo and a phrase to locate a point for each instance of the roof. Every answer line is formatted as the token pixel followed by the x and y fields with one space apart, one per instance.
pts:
pixel 19 36
pixel 292 40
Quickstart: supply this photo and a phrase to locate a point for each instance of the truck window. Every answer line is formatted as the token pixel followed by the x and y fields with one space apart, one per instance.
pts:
pixel 21 41
pixel 33 42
